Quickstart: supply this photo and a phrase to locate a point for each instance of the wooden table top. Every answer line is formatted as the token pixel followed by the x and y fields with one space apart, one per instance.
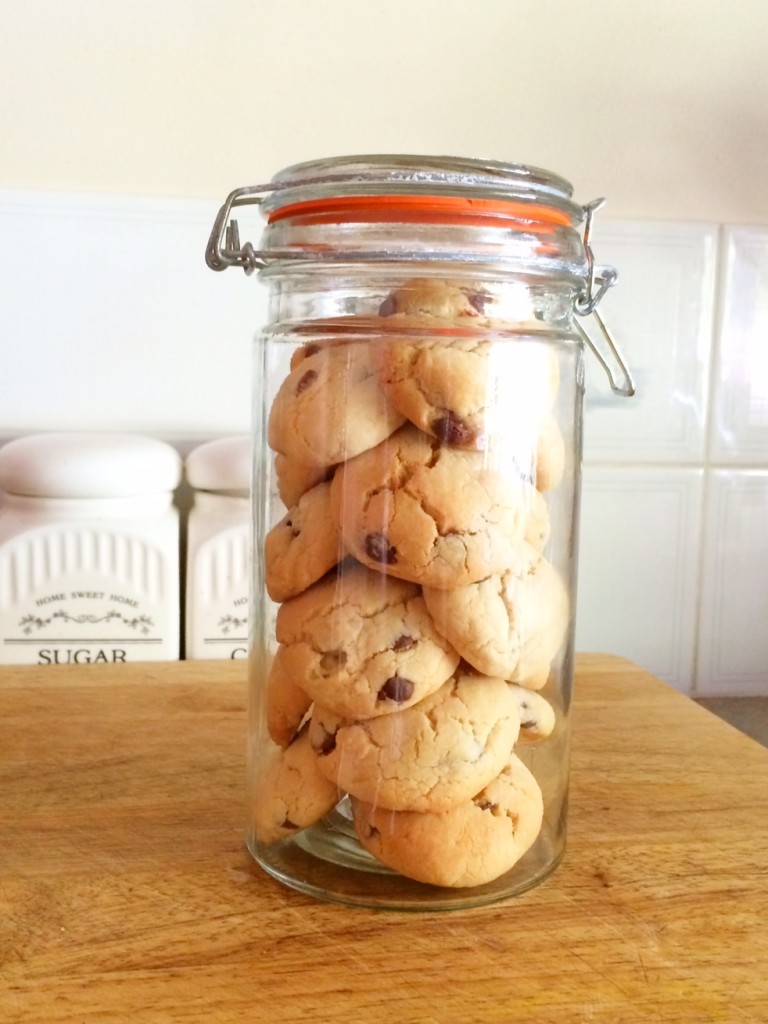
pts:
pixel 127 896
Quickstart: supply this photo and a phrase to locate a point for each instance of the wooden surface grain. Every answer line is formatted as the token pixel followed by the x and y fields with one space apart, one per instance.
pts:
pixel 126 894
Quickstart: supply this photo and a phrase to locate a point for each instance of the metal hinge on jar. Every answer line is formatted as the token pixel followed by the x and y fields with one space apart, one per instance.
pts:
pixel 599 280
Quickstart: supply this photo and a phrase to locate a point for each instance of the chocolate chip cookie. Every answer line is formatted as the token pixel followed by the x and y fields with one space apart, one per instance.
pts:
pixel 292 793
pixel 362 644
pixel 468 388
pixel 429 513
pixel 467 845
pixel 330 407
pixel 286 702
pixel 510 624
pixel 294 478
pixel 431 756
pixel 303 546
pixel 432 298
pixel 537 716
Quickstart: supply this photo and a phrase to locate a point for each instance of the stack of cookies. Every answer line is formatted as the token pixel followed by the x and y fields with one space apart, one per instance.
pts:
pixel 418 615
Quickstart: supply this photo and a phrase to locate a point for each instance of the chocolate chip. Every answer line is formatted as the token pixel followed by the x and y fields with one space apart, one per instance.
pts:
pixel 328 744
pixel 397 689
pixel 451 429
pixel 294 530
pixel 307 379
pixel 403 643
pixel 378 548
pixel 485 805
pixel 333 660
pixel 478 301
pixel 528 725
pixel 289 824
pixel 388 307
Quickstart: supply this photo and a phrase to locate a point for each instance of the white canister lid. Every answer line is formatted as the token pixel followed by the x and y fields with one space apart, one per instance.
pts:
pixel 221 465
pixel 88 465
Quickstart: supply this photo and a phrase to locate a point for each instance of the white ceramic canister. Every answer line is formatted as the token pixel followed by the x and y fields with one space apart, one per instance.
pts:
pixel 218 545
pixel 89 549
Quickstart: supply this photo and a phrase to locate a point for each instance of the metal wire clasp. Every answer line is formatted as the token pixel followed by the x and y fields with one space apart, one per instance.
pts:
pixel 599 280
pixel 224 249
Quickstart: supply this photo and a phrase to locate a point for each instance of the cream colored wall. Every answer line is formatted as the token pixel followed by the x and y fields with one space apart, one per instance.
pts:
pixel 662 105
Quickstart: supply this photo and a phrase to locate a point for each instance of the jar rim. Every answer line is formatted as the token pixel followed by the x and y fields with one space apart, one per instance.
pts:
pixel 428 177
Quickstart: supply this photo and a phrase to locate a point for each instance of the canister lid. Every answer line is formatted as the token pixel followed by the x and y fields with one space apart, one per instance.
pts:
pixel 221 465
pixel 88 465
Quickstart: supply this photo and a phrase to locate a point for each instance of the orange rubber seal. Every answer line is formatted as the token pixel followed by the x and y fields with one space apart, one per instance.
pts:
pixel 419 209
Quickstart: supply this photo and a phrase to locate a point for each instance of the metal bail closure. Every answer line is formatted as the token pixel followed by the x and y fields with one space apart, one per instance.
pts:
pixel 599 280
pixel 224 249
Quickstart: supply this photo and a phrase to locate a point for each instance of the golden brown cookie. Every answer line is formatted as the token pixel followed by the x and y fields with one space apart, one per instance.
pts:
pixel 294 479
pixel 330 407
pixel 544 462
pixel 303 352
pixel 429 757
pixel 303 546
pixel 286 702
pixel 537 716
pixel 509 625
pixel 468 388
pixel 291 793
pixel 430 297
pixel 468 845
pixel 440 382
pixel 429 513
pixel 537 525
pixel 362 644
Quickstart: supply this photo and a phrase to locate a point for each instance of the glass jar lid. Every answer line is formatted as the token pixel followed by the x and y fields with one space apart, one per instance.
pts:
pixel 389 209
pixel 364 208
pixel 420 176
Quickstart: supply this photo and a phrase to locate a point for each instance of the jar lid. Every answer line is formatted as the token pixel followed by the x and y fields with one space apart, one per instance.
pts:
pixel 349 209
pixel 484 216
pixel 88 465
pixel 221 465
pixel 378 174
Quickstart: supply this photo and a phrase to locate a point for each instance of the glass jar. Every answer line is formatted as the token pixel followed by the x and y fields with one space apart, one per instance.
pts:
pixel 417 454
pixel 218 541
pixel 89 549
